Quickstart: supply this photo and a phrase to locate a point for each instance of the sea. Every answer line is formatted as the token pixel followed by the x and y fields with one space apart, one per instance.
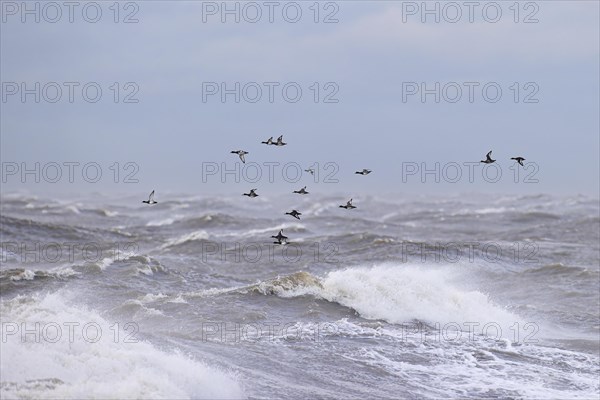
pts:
pixel 407 296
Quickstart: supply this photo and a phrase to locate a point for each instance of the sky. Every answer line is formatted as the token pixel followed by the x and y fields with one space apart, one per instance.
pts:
pixel 418 92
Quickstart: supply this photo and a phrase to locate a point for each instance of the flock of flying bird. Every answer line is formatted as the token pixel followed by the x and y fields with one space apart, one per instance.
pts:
pixel 281 239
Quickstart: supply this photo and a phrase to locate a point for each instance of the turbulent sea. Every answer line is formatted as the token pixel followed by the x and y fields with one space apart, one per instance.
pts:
pixel 419 297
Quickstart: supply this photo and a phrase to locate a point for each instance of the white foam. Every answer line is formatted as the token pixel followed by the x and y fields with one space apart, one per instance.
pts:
pixel 188 237
pixel 161 222
pixel 179 299
pixel 106 262
pixel 26 275
pixel 139 307
pixel 483 211
pixel 317 208
pixel 73 208
pixel 108 368
pixel 473 370
pixel 260 231
pixel 108 213
pixel 119 256
pixel 403 293
pixel 150 298
pixel 62 272
pixel 57 272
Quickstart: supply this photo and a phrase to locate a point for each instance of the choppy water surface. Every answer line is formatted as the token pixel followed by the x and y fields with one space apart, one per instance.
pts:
pixel 403 297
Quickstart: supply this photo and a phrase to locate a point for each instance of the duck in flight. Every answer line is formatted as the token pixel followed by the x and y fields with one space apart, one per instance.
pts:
pixel 310 170
pixel 269 141
pixel 488 158
pixel 294 213
pixel 280 141
pixel 364 172
pixel 280 235
pixel 348 205
pixel 150 199
pixel 252 193
pixel 518 159
pixel 301 191
pixel 281 238
pixel 241 153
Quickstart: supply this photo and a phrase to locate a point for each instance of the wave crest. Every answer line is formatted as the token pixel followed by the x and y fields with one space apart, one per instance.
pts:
pixel 72 367
pixel 396 294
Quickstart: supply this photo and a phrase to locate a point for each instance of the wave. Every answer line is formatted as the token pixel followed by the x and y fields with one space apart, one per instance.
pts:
pixel 317 208
pixel 559 269
pixel 161 222
pixel 488 210
pixel 59 208
pixel 143 264
pixel 138 264
pixel 48 230
pixel 212 220
pixel 28 231
pixel 396 294
pixel 288 226
pixel 186 238
pixel 18 274
pixel 104 212
pixel 97 363
pixel 296 284
pixel 531 216
pixel 54 207
pixel 277 286
pixel 136 309
pixel 72 208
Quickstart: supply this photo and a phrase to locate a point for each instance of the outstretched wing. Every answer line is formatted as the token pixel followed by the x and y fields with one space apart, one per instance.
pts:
pixel 151 197
pixel 242 158
pixel 488 155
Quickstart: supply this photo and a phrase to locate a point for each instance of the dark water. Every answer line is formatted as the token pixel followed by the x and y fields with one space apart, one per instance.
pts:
pixel 414 297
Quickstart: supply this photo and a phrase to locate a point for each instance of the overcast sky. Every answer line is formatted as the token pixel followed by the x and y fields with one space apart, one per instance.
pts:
pixel 366 73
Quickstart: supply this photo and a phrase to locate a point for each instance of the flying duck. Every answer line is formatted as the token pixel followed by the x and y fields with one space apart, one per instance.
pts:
pixel 348 205
pixel 488 158
pixel 518 159
pixel 301 191
pixel 241 153
pixel 294 214
pixel 252 193
pixel 280 141
pixel 150 199
pixel 281 238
